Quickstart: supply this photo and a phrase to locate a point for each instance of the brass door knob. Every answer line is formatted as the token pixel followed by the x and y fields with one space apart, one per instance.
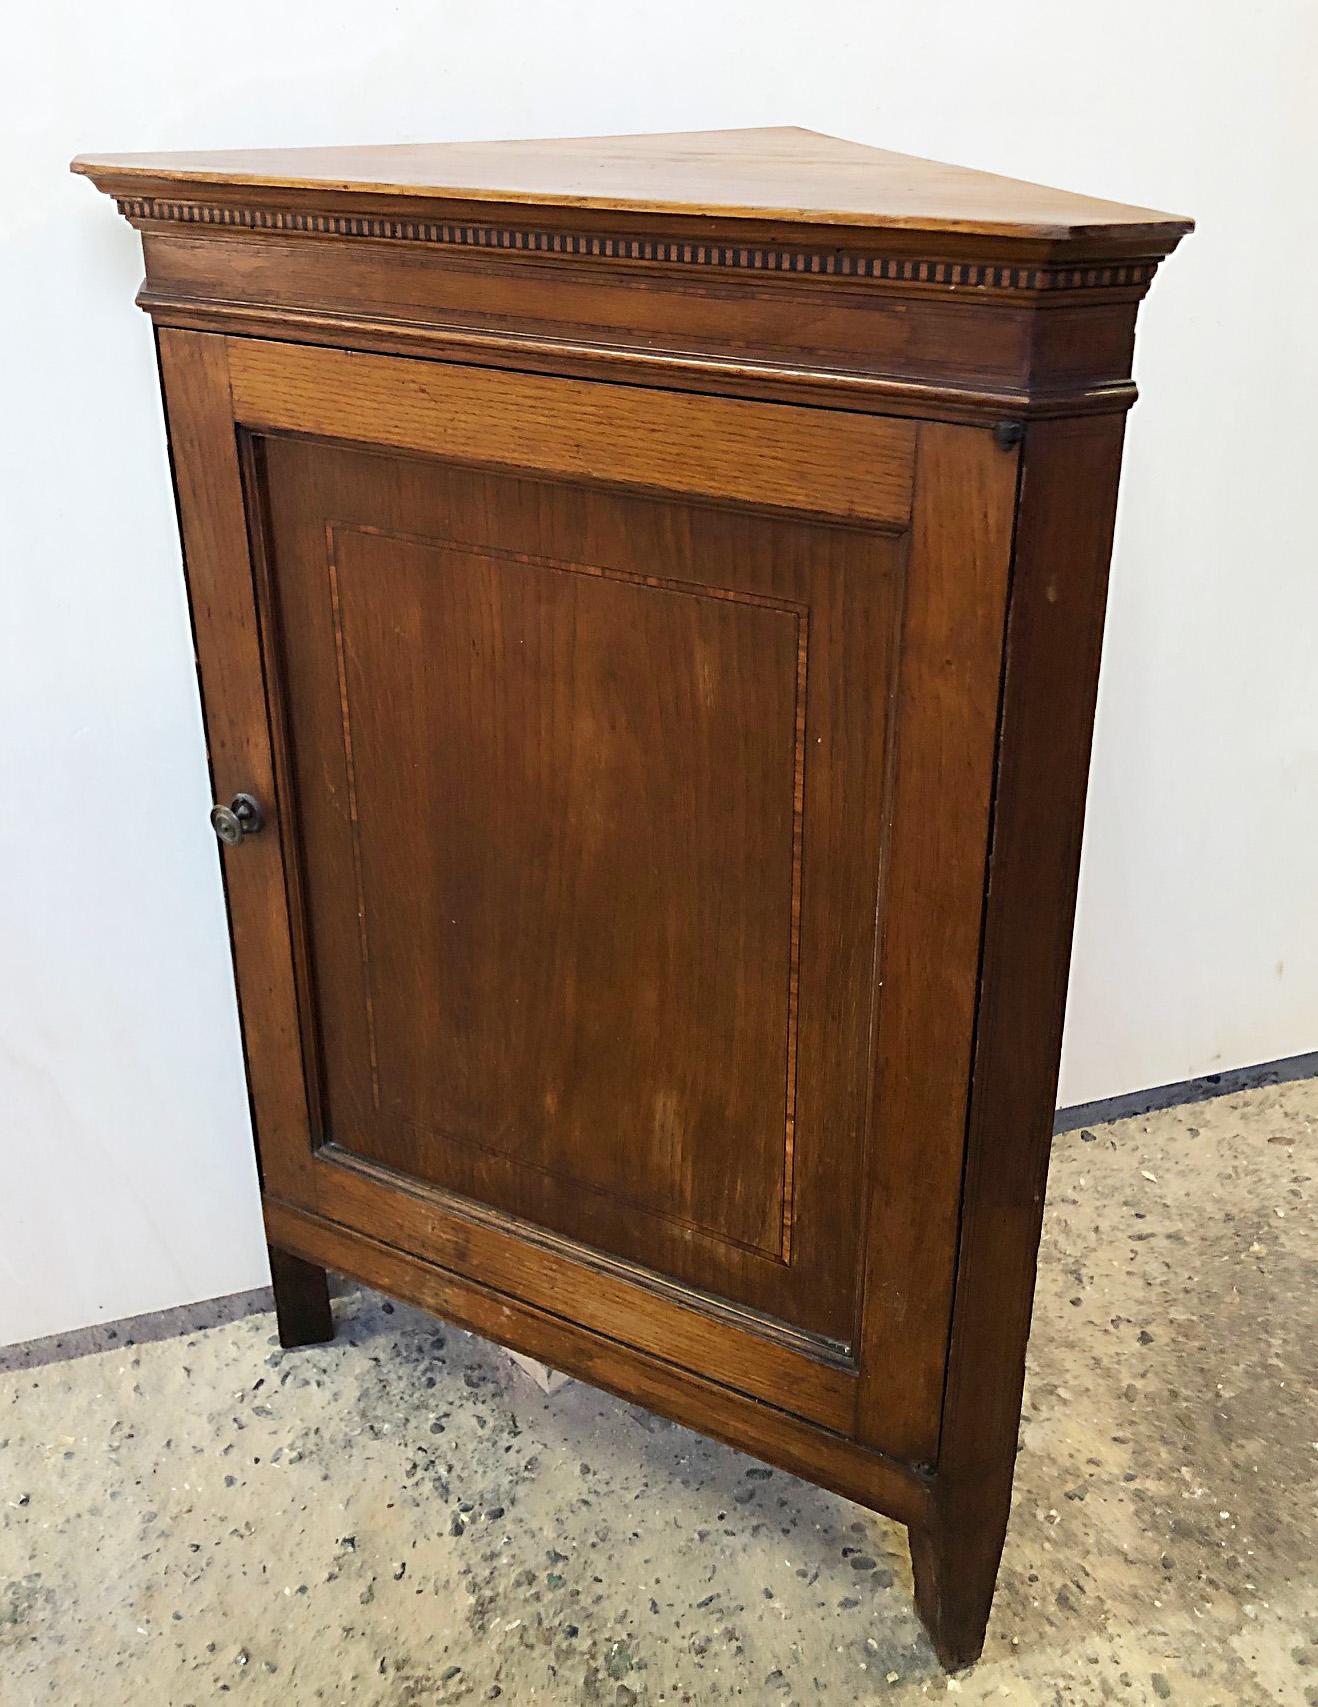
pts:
pixel 241 817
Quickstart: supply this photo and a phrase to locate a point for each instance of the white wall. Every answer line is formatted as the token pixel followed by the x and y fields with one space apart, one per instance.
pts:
pixel 124 1153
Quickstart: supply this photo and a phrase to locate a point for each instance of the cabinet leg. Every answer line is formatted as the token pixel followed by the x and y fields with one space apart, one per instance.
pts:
pixel 955 1565
pixel 302 1301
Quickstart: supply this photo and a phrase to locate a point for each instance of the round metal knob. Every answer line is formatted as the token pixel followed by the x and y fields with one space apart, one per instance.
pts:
pixel 241 817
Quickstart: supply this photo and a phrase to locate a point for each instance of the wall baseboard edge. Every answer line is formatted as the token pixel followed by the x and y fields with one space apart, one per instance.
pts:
pixel 1130 1103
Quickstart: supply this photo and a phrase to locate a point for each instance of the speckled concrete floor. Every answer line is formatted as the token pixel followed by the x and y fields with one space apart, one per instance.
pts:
pixel 402 1518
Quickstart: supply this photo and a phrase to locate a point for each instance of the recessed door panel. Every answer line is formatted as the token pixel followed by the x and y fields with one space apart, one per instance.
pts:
pixel 593 838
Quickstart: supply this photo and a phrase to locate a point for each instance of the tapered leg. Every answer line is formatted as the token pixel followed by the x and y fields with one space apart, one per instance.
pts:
pixel 302 1301
pixel 956 1566
pixel 1068 485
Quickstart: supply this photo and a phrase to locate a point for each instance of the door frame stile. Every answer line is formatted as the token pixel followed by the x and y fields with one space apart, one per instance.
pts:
pixel 212 514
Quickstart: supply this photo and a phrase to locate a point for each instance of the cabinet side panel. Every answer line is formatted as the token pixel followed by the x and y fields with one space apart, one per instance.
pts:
pixel 208 481
pixel 1054 638
pixel 933 889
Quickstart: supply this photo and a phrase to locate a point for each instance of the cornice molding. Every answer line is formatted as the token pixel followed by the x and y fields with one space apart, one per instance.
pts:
pixel 667 251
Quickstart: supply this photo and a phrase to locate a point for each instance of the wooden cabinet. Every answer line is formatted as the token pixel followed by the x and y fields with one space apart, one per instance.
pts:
pixel 648 597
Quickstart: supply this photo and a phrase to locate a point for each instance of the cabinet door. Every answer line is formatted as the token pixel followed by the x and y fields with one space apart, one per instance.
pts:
pixel 628 765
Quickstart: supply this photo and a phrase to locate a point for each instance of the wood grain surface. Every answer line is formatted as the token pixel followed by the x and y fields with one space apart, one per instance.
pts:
pixel 798 176
pixel 654 587
pixel 823 462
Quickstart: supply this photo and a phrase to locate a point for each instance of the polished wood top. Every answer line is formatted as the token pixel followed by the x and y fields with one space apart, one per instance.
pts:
pixel 797 177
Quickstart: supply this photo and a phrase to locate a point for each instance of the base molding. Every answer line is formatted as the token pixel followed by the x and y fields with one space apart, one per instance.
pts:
pixel 886 1485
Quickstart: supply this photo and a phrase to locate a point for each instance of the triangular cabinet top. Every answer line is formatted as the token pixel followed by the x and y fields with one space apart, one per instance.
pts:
pixel 780 176
pixel 778 263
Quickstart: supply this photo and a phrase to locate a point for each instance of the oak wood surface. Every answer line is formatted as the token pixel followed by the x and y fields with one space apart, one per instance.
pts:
pixel 656 587
pixel 907 345
pixel 561 761
pixel 994 333
pixel 663 864
pixel 796 176
pixel 624 1301
pixel 302 1301
pixel 1053 643
pixel 945 732
pixel 843 275
pixel 213 521
pixel 639 438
